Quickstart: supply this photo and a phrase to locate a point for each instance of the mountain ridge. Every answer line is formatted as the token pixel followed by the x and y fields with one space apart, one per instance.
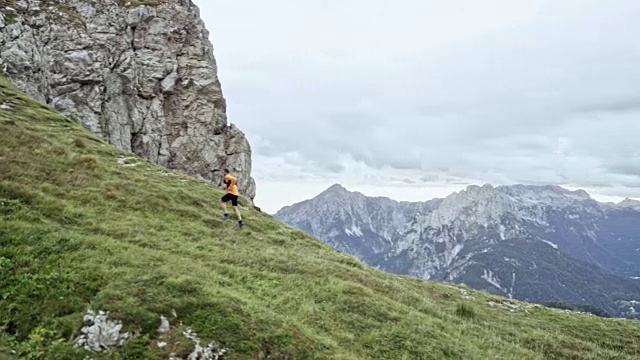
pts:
pixel 442 238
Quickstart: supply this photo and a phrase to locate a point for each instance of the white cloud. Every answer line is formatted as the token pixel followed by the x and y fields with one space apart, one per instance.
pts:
pixel 495 91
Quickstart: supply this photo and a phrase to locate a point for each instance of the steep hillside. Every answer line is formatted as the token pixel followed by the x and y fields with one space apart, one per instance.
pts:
pixel 139 74
pixel 86 226
pixel 533 243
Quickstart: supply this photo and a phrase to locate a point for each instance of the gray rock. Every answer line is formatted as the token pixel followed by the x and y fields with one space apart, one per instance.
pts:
pixel 164 325
pixel 210 352
pixel 99 333
pixel 142 78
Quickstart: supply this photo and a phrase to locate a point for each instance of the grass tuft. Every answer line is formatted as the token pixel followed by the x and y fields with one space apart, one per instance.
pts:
pixel 465 311
pixel 81 143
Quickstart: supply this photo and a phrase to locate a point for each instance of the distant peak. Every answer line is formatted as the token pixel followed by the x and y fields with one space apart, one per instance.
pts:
pixel 521 190
pixel 629 202
pixel 575 193
pixel 485 187
pixel 335 189
pixel 581 193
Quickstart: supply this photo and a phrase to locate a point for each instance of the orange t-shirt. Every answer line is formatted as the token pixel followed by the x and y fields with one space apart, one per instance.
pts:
pixel 232 188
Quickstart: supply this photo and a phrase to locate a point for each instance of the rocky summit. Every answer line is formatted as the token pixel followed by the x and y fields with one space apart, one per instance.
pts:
pixel 139 74
pixel 543 244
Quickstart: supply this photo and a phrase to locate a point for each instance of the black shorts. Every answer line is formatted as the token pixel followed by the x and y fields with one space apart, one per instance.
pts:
pixel 233 198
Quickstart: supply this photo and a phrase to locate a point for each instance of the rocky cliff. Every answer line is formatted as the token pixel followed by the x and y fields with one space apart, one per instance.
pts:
pixel 140 74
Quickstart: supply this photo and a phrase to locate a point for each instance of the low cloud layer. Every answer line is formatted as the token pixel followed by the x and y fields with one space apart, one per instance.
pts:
pixel 425 92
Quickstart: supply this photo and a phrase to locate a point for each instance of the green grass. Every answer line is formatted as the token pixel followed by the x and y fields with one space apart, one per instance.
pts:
pixel 80 230
pixel 9 16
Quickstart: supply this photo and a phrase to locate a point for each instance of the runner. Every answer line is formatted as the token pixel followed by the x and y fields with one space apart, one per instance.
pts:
pixel 231 195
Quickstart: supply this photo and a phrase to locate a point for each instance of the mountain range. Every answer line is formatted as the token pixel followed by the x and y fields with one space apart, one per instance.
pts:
pixel 542 244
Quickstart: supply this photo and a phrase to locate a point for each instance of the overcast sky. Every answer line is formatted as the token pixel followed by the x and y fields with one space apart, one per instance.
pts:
pixel 414 99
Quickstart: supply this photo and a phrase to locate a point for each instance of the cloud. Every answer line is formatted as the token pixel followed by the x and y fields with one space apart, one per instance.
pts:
pixel 620 106
pixel 622 167
pixel 434 92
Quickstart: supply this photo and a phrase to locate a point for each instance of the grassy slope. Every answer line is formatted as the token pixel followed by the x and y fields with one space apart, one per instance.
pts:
pixel 79 230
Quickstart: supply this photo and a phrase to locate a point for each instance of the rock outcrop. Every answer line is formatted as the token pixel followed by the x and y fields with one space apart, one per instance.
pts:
pixel 140 74
pixel 99 333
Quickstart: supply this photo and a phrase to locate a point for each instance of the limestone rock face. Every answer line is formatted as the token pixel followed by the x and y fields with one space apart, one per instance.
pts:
pixel 140 74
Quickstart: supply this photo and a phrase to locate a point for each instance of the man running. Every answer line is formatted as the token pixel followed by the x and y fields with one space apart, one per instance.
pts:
pixel 231 195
